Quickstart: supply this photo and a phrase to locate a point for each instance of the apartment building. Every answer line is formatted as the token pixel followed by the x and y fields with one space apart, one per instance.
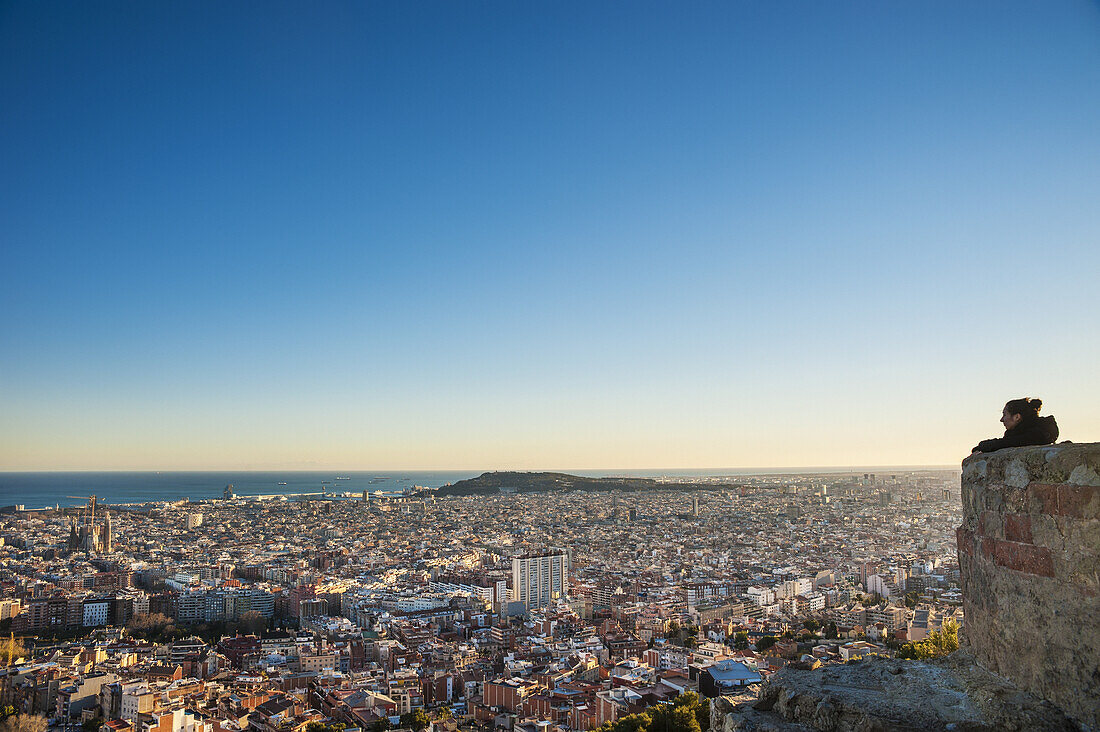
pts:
pixel 539 579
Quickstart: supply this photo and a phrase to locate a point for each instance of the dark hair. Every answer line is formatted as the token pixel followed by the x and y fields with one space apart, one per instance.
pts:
pixel 1026 407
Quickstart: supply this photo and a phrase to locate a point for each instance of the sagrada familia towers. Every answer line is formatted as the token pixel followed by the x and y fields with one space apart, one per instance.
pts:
pixel 89 536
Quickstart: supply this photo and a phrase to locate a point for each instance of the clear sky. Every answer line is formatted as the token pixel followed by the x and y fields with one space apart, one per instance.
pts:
pixel 483 235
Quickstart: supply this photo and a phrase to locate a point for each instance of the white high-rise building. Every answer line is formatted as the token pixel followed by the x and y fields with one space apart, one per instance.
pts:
pixel 539 579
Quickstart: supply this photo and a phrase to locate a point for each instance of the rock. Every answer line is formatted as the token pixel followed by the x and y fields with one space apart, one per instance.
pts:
pixel 888 695
pixel 768 696
pixel 825 716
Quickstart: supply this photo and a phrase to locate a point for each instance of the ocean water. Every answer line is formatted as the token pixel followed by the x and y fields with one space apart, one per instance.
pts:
pixel 36 490
pixel 40 489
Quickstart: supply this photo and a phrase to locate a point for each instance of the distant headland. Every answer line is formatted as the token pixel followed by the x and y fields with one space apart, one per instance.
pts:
pixel 496 481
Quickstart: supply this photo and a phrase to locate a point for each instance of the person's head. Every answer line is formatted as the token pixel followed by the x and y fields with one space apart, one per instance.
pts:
pixel 1017 410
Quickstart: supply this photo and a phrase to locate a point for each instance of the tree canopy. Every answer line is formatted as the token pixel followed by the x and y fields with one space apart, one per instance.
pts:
pixel 155 627
pixel 322 727
pixel 23 723
pixel 687 713
pixel 253 623
pixel 938 643
pixel 766 642
pixel 417 719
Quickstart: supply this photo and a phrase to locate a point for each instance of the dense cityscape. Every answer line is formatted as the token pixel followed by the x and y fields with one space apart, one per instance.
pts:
pixel 796 296
pixel 564 609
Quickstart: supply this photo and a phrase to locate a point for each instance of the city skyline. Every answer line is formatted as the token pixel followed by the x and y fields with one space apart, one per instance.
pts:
pixel 490 237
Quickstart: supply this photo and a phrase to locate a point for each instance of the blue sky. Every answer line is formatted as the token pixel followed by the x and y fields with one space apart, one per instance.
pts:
pixel 585 235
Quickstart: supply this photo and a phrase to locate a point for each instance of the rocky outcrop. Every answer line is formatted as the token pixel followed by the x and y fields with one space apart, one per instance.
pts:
pixel 880 695
pixel 1029 554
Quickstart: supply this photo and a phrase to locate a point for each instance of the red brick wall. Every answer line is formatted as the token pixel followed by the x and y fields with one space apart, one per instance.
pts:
pixel 1005 538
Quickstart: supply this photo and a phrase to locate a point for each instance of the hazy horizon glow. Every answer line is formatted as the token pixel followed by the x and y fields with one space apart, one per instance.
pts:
pixel 471 237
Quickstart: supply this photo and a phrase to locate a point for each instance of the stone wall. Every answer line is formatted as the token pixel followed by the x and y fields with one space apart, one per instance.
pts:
pixel 1029 551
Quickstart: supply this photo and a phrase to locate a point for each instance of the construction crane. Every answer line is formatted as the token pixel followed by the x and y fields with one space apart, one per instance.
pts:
pixel 90 515
pixel 85 533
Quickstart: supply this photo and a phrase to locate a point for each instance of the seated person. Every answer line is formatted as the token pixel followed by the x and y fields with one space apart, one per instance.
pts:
pixel 1023 426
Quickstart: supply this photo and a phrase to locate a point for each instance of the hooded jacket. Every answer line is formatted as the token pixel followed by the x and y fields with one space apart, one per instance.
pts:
pixel 1031 431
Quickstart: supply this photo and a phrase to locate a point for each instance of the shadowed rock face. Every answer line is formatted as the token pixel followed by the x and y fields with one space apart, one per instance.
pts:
pixel 1029 555
pixel 953 693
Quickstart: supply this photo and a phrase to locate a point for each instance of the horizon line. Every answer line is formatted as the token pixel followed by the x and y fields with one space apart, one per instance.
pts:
pixel 800 468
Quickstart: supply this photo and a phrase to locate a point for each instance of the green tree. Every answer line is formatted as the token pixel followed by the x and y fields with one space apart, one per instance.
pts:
pixel 689 712
pixel 672 718
pixel 91 725
pixel 632 723
pixel 911 599
pixel 766 642
pixel 699 706
pixel 322 727
pixel 417 719
pixel 831 631
pixel 938 643
pixel 811 625
pixel 741 640
pixel 380 725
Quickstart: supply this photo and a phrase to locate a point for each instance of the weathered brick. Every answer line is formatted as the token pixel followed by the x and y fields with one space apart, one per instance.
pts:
pixel 1018 527
pixel 989 524
pixel 1034 560
pixel 986 546
pixel 1024 557
pixel 1075 500
pixel 1063 499
pixel 1044 497
pixel 965 540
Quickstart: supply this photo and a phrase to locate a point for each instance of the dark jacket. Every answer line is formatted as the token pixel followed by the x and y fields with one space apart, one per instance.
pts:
pixel 1031 431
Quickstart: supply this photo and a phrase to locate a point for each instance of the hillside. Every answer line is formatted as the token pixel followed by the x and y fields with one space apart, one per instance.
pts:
pixel 542 482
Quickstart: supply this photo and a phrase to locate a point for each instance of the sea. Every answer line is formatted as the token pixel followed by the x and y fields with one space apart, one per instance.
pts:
pixel 43 489
pixel 39 490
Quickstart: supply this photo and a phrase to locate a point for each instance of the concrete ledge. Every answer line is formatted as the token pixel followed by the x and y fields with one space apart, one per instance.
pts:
pixel 1029 554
